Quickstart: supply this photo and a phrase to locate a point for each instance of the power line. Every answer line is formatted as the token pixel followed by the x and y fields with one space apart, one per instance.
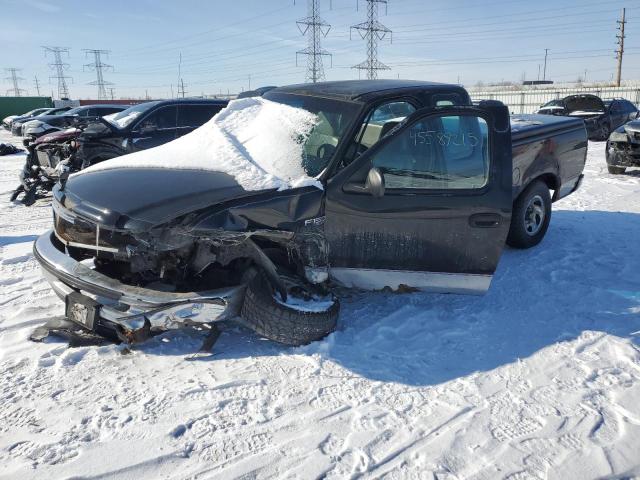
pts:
pixel 372 31
pixel 59 66
pixel 315 28
pixel 14 78
pixel 620 51
pixel 98 66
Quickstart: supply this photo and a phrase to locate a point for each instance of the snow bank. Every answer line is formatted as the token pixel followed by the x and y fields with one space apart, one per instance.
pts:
pixel 257 141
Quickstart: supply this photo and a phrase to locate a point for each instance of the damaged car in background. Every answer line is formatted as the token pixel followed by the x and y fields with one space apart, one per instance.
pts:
pixel 94 139
pixel 261 213
pixel 45 124
pixel 623 148
pixel 600 117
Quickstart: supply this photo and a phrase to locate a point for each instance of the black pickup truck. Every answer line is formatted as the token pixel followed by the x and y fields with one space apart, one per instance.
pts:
pixel 417 188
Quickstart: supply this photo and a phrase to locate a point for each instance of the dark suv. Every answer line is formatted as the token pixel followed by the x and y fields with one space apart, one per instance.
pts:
pixel 143 126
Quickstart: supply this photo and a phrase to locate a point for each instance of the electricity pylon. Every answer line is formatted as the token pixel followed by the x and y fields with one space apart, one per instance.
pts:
pixel 372 31
pixel 314 27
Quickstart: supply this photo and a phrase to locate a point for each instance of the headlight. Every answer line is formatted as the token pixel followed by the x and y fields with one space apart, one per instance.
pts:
pixel 73 144
pixel 618 137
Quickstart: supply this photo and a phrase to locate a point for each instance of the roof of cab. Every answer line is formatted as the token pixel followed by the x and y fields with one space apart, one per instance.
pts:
pixel 353 89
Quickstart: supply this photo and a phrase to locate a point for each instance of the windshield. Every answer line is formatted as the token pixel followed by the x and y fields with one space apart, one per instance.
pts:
pixel 334 116
pixel 124 118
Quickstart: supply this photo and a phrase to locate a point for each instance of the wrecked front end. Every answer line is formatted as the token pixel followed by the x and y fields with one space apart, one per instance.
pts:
pixel 47 159
pixel 129 274
pixel 623 147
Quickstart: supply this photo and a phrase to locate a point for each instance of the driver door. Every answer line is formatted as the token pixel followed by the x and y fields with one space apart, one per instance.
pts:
pixel 442 220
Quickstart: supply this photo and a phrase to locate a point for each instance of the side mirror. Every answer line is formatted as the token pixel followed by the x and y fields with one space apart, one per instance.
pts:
pixel 375 183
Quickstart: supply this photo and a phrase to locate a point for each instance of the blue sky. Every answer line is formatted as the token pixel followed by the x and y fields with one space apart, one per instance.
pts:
pixel 224 43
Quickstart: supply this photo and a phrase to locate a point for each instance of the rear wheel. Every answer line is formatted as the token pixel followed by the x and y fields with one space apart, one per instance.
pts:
pixel 305 318
pixel 616 170
pixel 531 216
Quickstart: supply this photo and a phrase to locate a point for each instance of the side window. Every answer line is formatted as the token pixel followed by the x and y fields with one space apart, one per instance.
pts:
pixel 161 119
pixel 195 116
pixel 447 100
pixel 437 153
pixel 382 120
pixel 87 112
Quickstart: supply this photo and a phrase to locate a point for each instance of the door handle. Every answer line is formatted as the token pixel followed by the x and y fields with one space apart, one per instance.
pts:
pixel 485 220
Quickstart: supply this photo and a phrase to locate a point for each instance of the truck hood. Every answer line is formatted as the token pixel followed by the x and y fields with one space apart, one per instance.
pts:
pixel 137 199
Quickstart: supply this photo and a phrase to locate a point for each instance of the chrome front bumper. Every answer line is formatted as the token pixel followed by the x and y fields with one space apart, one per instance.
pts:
pixel 128 308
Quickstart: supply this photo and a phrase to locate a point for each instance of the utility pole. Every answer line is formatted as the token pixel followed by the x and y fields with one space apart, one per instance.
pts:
pixel 546 54
pixel 620 51
pixel 14 78
pixel 315 28
pixel 35 80
pixel 59 66
pixel 98 67
pixel 372 31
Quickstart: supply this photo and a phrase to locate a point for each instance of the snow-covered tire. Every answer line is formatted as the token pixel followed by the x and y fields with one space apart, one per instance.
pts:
pixel 275 321
pixel 613 170
pixel 535 198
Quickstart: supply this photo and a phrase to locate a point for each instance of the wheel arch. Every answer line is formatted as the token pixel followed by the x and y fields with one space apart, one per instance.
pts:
pixel 551 180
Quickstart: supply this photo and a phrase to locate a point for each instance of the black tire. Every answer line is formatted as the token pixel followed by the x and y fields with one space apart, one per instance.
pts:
pixel 613 170
pixel 526 215
pixel 275 321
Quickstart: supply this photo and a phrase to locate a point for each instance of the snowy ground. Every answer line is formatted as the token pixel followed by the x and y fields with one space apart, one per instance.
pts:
pixel 540 378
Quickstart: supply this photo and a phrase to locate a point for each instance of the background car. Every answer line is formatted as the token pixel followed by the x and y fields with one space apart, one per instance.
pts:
pixel 6 122
pixel 623 148
pixel 15 125
pixel 49 123
pixel 600 117
pixel 143 126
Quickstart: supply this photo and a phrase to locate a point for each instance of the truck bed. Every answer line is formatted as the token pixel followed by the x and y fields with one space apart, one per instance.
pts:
pixel 524 127
pixel 551 147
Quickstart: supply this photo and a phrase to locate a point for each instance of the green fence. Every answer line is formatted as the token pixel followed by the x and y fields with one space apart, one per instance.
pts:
pixel 20 105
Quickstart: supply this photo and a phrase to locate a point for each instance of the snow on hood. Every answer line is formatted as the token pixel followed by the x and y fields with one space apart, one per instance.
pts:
pixel 257 141
pixel 518 123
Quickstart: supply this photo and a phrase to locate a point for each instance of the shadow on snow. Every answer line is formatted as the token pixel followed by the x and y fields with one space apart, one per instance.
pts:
pixel 584 276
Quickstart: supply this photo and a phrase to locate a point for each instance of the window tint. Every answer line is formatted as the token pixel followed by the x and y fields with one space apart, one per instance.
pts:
pixel 437 153
pixel 629 107
pixel 163 118
pixel 381 120
pixel 447 100
pixel 196 115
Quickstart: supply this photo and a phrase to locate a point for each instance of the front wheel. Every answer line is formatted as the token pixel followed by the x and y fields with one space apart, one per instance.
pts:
pixel 531 216
pixel 297 322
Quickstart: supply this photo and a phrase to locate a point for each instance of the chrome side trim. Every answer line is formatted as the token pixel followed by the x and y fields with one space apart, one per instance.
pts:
pixel 437 282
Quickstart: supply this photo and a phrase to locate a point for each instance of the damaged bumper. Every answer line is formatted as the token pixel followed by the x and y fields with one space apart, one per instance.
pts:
pixel 100 302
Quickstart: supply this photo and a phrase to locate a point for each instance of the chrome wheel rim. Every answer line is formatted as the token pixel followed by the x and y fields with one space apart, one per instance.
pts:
pixel 534 215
